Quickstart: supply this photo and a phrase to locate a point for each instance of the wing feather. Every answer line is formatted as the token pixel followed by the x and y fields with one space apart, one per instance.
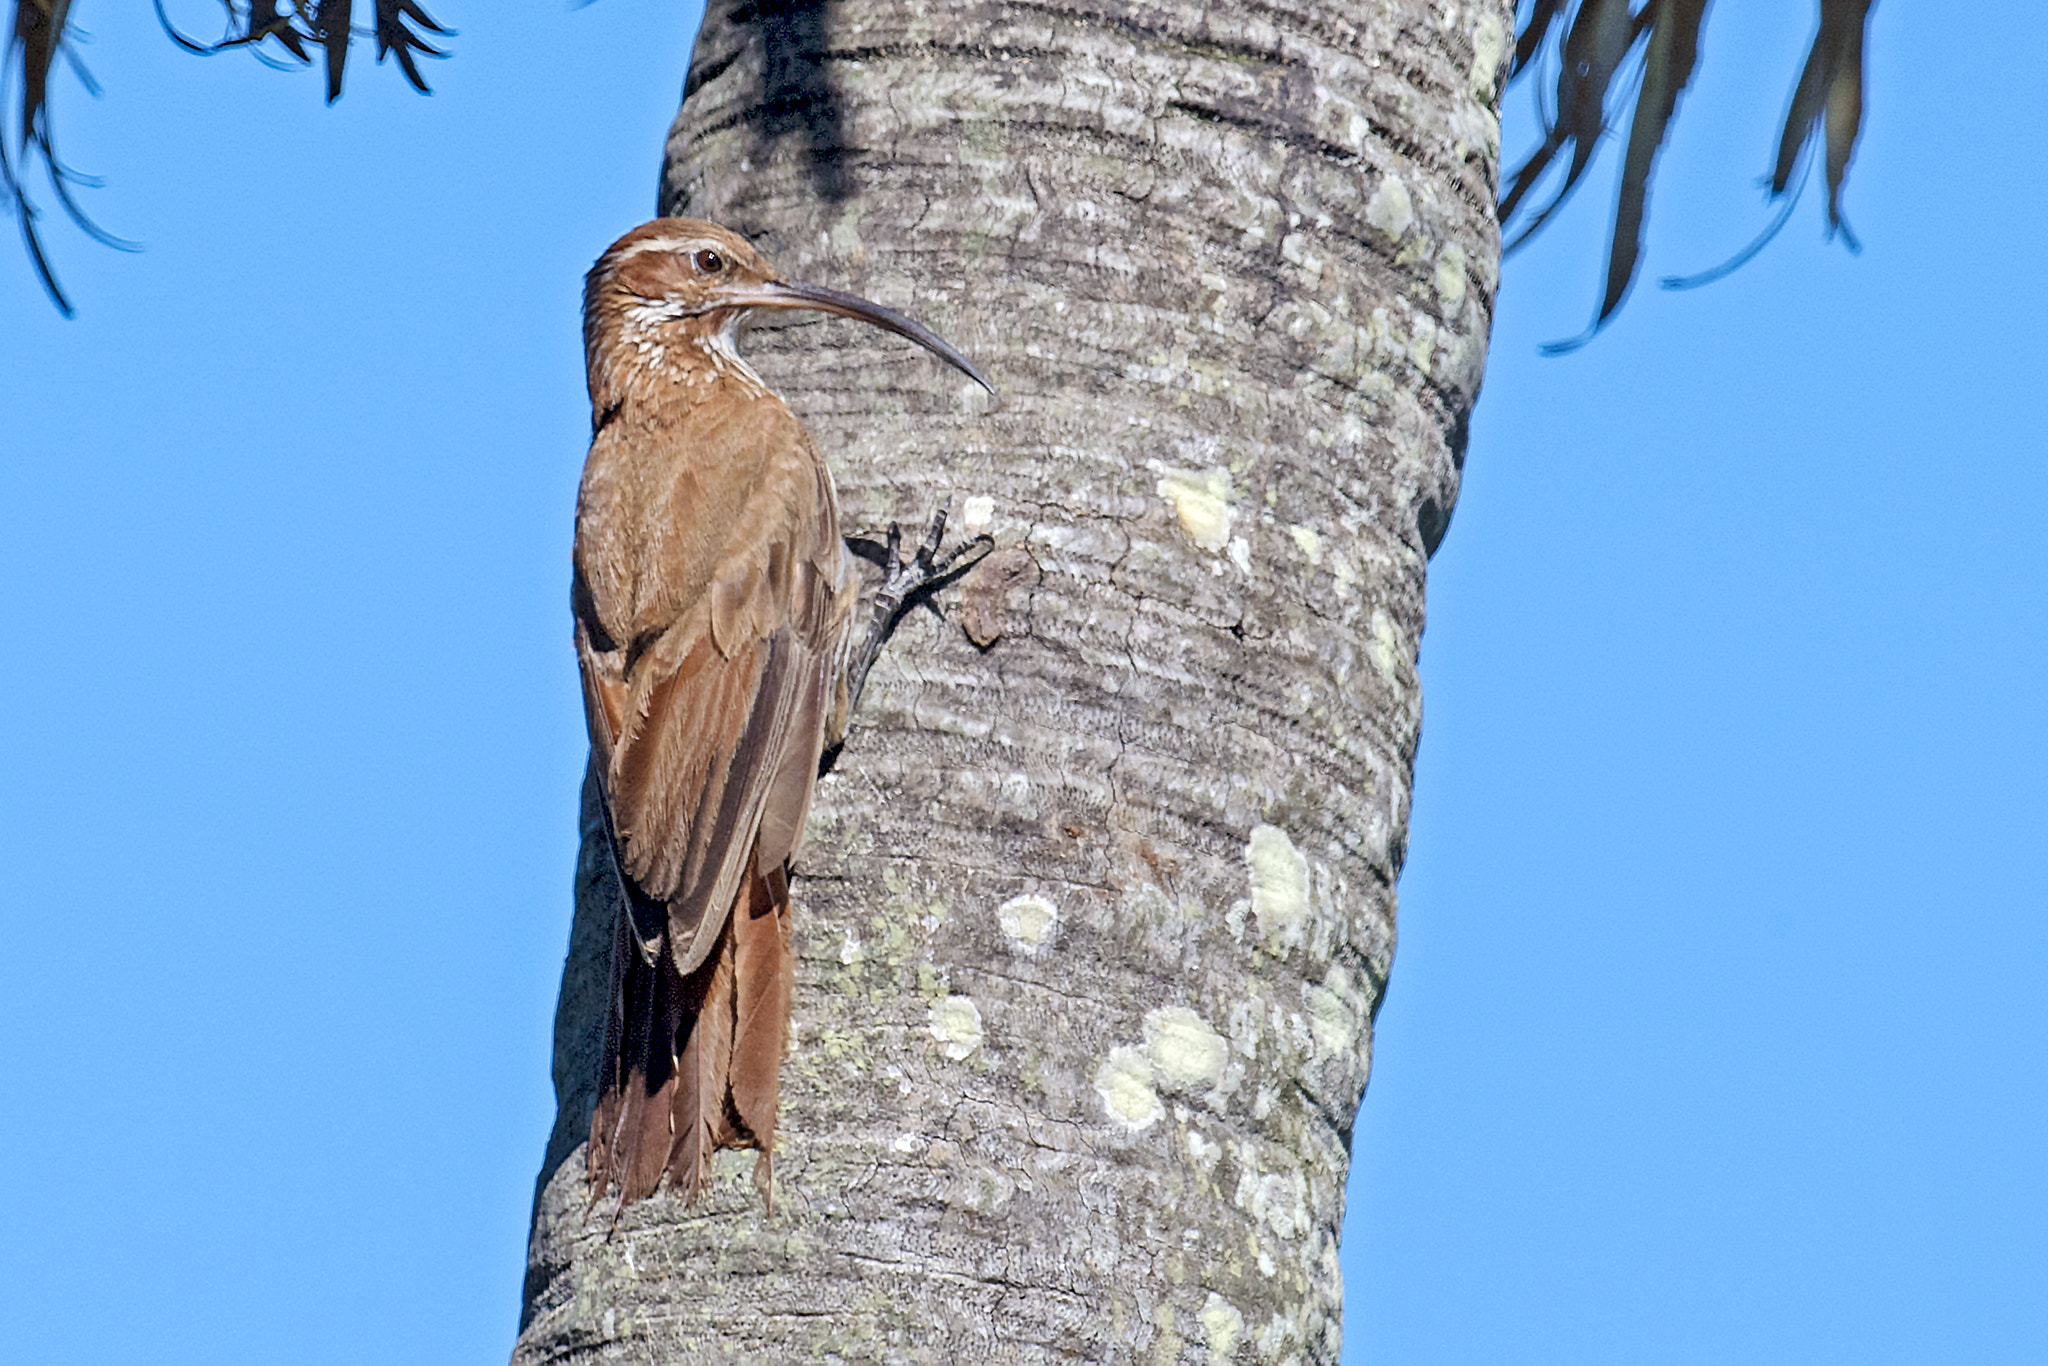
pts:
pixel 712 739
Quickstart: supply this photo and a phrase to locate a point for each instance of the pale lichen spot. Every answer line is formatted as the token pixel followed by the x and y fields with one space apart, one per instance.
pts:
pixel 1165 1347
pixel 1277 1199
pixel 1244 1028
pixel 1489 41
pixel 1185 1052
pixel 1378 836
pixel 1308 541
pixel 1280 885
pixel 1390 209
pixel 1029 922
pixel 1222 1325
pixel 1331 1022
pixel 1201 500
pixel 850 952
pixel 956 1024
pixel 1124 1082
pixel 1241 554
pixel 845 238
pixel 978 513
pixel 1386 646
pixel 1450 277
pixel 1422 344
pixel 1346 576
pixel 1294 249
pixel 1293 1032
pixel 982 1191
pixel 1201 1151
pixel 1277 1334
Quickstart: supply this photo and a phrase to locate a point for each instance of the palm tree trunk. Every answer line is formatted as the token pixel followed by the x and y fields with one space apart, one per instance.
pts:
pixel 1098 905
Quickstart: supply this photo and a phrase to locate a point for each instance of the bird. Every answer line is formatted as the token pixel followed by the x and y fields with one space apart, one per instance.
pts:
pixel 718 640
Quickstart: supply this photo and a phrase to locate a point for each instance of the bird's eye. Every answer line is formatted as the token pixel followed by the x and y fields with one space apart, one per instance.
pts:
pixel 710 262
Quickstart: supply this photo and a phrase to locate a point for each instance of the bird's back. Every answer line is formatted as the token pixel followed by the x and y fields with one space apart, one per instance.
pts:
pixel 677 497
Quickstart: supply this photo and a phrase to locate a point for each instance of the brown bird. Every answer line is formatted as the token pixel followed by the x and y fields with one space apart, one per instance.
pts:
pixel 714 602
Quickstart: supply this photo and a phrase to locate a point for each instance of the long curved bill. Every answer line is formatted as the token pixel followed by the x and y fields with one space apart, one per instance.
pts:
pixel 783 294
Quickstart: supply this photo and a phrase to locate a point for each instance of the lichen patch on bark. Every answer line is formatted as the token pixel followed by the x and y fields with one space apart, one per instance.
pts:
pixel 956 1024
pixel 1280 886
pixel 1201 501
pixel 1125 1083
pixel 1390 209
pixel 1222 1325
pixel 1185 1052
pixel 1028 922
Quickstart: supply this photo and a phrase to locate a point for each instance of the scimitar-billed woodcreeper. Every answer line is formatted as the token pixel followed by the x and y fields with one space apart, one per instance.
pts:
pixel 721 655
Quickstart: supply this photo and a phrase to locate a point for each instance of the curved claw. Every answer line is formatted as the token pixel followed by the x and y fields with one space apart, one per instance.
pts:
pixel 905 583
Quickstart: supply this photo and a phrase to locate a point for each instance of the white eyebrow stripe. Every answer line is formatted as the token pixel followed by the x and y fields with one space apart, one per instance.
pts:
pixel 678 245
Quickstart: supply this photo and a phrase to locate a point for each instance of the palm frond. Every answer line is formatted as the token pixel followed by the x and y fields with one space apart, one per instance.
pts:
pixel 41 31
pixel 328 26
pixel 39 34
pixel 1840 118
pixel 1593 48
pixel 393 36
pixel 1668 61
pixel 1530 39
pixel 1826 106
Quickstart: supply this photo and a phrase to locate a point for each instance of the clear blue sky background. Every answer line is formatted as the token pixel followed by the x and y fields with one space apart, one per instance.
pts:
pixel 1716 1032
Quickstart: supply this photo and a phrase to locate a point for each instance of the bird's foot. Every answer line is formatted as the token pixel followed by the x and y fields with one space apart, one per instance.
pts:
pixel 905 583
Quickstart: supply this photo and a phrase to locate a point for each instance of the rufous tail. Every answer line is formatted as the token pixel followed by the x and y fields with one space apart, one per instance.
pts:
pixel 693 1063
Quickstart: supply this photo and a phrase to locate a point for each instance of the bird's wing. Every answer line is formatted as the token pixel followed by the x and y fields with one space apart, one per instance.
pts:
pixel 714 729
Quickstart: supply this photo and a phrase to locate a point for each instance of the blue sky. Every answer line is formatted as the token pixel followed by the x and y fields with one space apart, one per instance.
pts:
pixel 1715 1031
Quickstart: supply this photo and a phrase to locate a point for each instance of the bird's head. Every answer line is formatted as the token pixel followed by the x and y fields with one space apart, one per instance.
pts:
pixel 672 293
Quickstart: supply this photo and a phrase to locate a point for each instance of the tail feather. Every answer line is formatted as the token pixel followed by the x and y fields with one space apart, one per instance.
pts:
pixel 630 1134
pixel 604 1123
pixel 638 1071
pixel 765 970
pixel 692 1063
pixel 651 1081
pixel 698 1114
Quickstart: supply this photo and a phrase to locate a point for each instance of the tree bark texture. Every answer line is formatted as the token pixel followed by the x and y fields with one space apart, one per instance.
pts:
pixel 1097 907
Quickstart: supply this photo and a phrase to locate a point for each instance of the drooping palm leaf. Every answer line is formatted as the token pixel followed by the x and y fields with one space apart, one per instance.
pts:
pixel 1842 120
pixel 1827 98
pixel 299 25
pixel 328 26
pixel 1541 12
pixel 1668 61
pixel 39 34
pixel 393 36
pixel 267 19
pixel 35 39
pixel 1826 105
pixel 1594 47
